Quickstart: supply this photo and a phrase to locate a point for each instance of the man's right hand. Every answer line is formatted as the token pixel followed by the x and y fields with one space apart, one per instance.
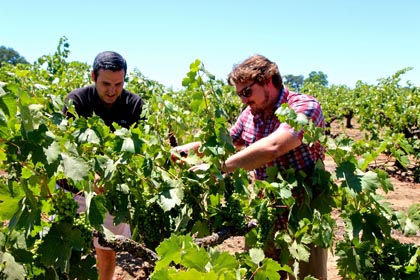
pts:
pixel 178 152
pixel 97 189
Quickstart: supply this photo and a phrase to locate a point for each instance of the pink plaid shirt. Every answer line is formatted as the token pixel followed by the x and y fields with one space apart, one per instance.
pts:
pixel 249 129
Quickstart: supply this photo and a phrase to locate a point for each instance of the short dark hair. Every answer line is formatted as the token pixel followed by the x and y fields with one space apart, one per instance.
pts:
pixel 109 60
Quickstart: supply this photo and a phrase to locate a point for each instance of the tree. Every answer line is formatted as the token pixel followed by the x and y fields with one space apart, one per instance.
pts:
pixel 317 78
pixel 293 81
pixel 9 55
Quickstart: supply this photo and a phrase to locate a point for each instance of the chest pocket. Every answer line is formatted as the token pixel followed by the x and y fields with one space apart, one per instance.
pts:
pixel 248 137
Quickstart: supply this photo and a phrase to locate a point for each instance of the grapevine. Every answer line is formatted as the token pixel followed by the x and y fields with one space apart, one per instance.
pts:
pixel 167 206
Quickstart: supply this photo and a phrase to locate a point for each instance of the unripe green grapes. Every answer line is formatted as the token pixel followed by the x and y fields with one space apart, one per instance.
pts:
pixel 153 224
pixel 80 223
pixel 233 214
pixel 266 223
pixel 64 206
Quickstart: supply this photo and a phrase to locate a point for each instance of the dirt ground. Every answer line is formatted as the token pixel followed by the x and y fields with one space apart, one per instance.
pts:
pixel 405 193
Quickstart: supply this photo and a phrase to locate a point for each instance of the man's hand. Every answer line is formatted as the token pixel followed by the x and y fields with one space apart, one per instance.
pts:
pixel 178 152
pixel 184 149
pixel 96 188
pixel 176 156
pixel 200 167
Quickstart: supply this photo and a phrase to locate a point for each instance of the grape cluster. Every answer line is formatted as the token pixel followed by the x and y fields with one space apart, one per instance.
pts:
pixel 34 250
pixel 153 225
pixel 233 214
pixel 64 206
pixel 80 223
pixel 193 198
pixel 266 221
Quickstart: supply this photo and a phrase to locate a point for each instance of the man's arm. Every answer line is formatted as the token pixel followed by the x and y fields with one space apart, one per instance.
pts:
pixel 263 151
pixel 255 155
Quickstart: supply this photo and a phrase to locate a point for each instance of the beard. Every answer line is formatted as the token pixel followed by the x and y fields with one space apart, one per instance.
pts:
pixel 257 109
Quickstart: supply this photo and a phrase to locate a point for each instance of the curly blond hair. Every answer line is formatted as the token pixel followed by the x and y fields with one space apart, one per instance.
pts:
pixel 256 68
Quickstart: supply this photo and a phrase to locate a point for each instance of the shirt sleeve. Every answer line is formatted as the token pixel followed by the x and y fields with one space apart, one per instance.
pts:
pixel 309 106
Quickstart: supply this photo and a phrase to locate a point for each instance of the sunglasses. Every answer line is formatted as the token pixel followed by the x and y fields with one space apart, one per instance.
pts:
pixel 246 91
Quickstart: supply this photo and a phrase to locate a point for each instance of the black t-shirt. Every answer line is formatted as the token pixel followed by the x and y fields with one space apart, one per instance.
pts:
pixel 125 111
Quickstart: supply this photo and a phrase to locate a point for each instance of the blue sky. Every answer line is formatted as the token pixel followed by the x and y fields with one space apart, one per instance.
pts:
pixel 347 40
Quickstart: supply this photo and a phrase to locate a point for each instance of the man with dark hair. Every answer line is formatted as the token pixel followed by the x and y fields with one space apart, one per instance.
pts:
pixel 108 99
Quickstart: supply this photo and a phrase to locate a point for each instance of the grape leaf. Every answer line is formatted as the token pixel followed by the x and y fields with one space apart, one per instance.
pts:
pixel 75 168
pixel 10 268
